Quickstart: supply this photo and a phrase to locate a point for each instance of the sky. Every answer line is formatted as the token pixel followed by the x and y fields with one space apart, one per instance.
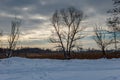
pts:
pixel 36 14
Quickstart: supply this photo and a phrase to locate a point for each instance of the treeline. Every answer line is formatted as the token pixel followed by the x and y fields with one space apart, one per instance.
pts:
pixel 50 54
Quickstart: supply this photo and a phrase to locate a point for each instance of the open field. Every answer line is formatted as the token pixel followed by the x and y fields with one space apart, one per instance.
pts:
pixel 48 69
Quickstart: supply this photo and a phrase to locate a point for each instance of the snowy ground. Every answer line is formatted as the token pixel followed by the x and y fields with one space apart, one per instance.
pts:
pixel 45 69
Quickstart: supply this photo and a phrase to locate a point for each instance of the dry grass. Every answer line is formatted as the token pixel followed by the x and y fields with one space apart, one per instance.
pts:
pixel 61 56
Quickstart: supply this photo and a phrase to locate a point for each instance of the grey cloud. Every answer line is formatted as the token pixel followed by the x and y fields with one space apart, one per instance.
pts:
pixel 48 6
pixel 27 8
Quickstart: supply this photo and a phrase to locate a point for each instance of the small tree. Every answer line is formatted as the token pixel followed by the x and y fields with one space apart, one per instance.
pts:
pixel 114 21
pixel 67 29
pixel 14 36
pixel 101 40
pixel 1 34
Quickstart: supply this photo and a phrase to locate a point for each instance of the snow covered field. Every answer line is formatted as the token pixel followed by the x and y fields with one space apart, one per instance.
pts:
pixel 46 69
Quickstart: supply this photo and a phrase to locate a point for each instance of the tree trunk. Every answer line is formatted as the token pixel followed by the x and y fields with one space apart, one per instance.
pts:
pixel 66 55
pixel 104 53
pixel 115 38
pixel 9 53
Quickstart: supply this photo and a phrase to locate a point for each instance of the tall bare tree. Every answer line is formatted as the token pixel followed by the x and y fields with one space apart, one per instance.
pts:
pixel 101 39
pixel 14 35
pixel 67 29
pixel 1 34
pixel 114 21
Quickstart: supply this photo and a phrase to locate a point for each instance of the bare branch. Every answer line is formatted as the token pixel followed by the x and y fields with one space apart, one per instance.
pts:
pixel 101 40
pixel 14 36
pixel 66 23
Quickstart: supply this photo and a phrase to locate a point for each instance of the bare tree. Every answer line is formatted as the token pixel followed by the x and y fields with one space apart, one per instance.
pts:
pixel 114 21
pixel 113 26
pixel 14 36
pixel 67 29
pixel 101 39
pixel 1 34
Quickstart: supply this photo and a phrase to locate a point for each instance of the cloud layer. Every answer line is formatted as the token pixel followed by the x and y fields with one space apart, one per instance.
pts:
pixel 36 14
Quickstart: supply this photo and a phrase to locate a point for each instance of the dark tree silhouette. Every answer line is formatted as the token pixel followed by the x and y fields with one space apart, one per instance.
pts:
pixel 14 36
pixel 101 40
pixel 67 29
pixel 1 34
pixel 113 21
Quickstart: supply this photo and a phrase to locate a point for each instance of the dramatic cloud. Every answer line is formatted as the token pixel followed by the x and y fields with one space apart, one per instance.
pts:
pixel 36 14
